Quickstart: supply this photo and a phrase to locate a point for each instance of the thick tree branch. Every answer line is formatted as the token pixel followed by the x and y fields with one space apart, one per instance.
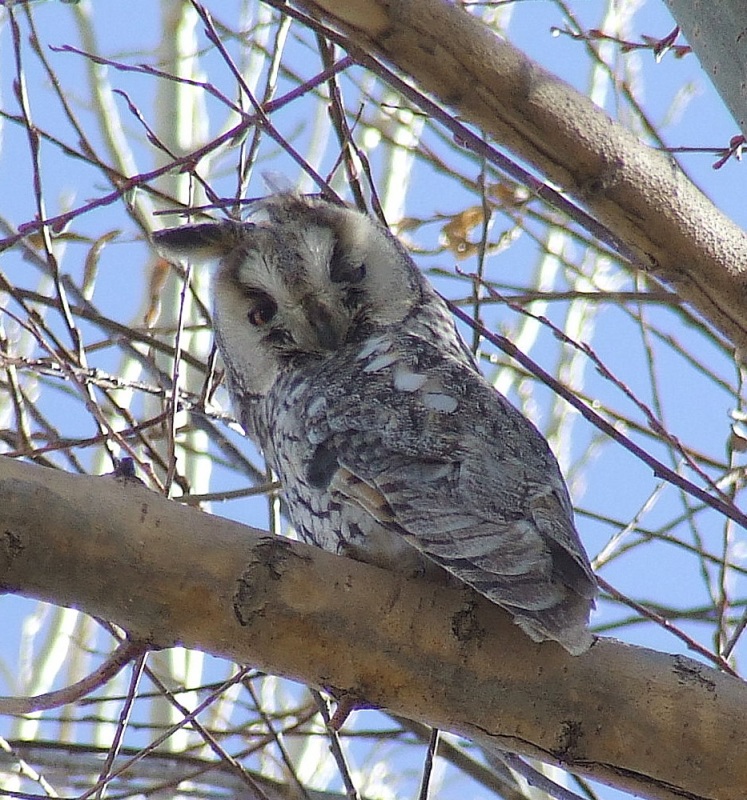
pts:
pixel 639 193
pixel 659 725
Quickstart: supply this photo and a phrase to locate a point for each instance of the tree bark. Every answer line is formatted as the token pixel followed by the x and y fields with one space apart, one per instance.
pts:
pixel 659 725
pixel 717 36
pixel 638 193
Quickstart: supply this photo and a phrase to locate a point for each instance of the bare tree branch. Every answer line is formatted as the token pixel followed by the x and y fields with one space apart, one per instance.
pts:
pixel 659 725
pixel 639 193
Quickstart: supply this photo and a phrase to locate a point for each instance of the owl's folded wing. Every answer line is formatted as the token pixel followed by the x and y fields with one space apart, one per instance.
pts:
pixel 496 518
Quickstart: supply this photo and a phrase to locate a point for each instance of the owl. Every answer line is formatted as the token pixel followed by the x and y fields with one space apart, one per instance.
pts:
pixel 345 367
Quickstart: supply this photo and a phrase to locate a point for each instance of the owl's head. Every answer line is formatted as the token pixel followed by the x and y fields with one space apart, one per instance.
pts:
pixel 304 278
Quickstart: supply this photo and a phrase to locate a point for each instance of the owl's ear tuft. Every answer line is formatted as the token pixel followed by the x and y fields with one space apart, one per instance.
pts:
pixel 206 242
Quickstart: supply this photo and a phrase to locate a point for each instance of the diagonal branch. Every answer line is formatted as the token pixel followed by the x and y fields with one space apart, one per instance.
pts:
pixel 639 193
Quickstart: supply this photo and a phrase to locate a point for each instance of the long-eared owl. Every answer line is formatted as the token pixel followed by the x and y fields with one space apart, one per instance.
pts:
pixel 345 367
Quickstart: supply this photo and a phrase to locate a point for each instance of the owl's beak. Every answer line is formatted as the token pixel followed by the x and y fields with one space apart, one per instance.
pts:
pixel 329 328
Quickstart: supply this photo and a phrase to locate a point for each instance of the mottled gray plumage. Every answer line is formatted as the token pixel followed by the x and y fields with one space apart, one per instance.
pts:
pixel 346 368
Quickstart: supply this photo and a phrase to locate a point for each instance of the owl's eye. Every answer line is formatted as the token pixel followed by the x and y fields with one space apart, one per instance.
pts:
pixel 262 311
pixel 342 270
pixel 347 273
pixel 357 273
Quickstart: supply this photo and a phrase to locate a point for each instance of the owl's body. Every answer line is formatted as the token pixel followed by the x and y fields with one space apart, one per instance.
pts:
pixel 347 370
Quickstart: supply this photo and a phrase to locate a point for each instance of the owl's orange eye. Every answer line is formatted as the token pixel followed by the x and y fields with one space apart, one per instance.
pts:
pixel 262 311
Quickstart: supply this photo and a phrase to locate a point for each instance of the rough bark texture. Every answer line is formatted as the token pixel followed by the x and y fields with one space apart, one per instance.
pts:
pixel 659 725
pixel 639 193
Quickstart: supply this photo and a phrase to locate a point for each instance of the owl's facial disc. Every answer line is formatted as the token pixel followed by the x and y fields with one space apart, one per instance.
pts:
pixel 294 289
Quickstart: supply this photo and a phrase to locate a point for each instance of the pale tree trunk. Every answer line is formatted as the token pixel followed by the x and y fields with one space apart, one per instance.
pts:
pixel 717 35
pixel 658 725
